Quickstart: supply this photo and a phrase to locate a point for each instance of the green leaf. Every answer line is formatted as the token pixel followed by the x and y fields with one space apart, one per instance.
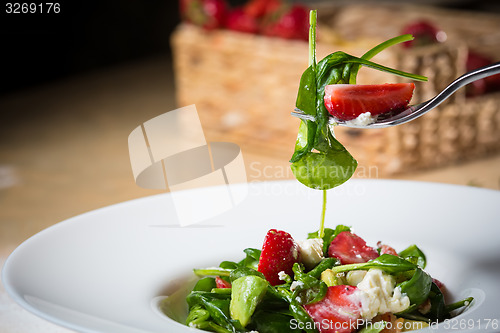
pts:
pixel 212 271
pixel 252 258
pixel 306 96
pixel 323 265
pixel 205 284
pixel 329 235
pixel 414 251
pixel 217 306
pixel 272 322
pixel 438 310
pixel 457 305
pixel 418 287
pixel 387 262
pixel 310 289
pixel 376 50
pixel 244 271
pixel 323 171
pixel 247 292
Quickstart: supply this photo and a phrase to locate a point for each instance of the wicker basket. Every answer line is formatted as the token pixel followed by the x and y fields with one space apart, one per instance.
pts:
pixel 245 86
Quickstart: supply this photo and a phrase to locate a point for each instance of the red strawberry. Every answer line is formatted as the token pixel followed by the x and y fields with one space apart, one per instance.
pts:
pixel 279 253
pixel 491 83
pixel 239 20
pixel 348 101
pixel 351 249
pixel 293 23
pixel 474 61
pixel 386 249
pixel 425 33
pixel 440 285
pixel 261 8
pixel 220 283
pixel 209 14
pixel 339 311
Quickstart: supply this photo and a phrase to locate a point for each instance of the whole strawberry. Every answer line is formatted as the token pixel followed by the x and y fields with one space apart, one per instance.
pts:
pixel 289 23
pixel 425 33
pixel 239 20
pixel 261 8
pixel 279 253
pixel 208 14
pixel 476 60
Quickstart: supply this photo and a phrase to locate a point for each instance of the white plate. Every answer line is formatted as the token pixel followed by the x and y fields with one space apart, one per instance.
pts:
pixel 100 271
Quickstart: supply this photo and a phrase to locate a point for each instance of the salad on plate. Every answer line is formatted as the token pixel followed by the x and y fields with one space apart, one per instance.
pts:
pixel 327 284
pixel 333 281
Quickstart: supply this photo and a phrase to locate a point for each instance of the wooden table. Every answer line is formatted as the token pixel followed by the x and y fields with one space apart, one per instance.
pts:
pixel 63 151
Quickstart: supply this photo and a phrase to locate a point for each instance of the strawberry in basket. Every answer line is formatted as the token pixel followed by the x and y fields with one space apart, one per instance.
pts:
pixel 208 14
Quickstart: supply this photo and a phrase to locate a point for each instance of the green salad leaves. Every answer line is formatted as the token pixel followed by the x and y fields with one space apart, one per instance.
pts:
pixel 250 303
pixel 320 161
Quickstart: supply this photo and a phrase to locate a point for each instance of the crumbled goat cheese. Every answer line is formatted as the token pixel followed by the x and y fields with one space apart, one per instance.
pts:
pixel 296 284
pixel 362 120
pixel 282 275
pixel 378 294
pixel 355 277
pixel 311 251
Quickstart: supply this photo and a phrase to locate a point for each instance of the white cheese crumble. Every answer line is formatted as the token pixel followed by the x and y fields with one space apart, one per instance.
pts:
pixel 311 251
pixel 362 120
pixel 355 277
pixel 378 294
pixel 282 275
pixel 296 284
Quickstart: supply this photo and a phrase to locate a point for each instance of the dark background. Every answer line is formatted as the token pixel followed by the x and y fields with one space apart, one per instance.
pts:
pixel 89 35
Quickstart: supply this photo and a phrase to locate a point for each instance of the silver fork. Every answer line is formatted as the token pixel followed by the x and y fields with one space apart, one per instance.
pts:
pixel 414 111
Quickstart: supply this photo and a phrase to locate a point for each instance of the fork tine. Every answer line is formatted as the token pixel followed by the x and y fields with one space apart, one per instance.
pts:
pixel 300 114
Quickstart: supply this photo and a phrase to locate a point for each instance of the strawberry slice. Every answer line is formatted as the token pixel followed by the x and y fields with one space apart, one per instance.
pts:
pixel 279 253
pixel 386 249
pixel 220 283
pixel 351 249
pixel 339 311
pixel 348 101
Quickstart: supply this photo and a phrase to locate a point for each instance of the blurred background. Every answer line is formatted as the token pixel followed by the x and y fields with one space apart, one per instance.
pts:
pixel 74 84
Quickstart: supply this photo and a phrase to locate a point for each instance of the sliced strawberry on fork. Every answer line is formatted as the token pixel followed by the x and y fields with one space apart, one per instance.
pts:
pixel 348 101
pixel 349 248
pixel 279 253
pixel 339 311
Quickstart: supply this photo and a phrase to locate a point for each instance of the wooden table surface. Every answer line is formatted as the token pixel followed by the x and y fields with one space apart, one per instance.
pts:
pixel 63 149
